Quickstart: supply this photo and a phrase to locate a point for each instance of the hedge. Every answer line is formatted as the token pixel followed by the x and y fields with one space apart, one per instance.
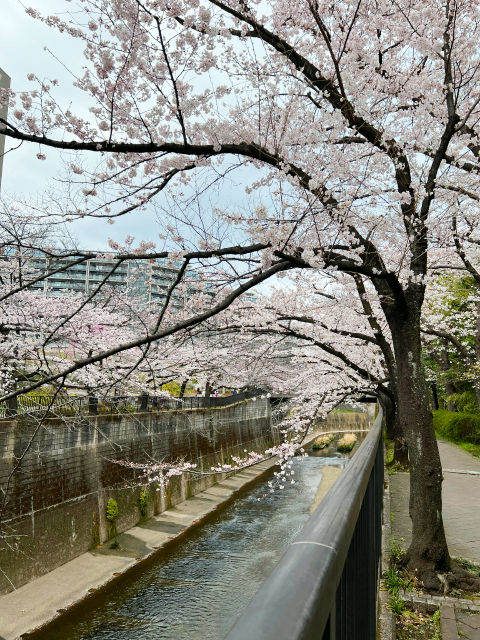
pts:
pixel 457 425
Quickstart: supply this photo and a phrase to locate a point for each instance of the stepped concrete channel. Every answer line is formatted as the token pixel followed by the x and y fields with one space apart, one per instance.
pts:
pixel 76 585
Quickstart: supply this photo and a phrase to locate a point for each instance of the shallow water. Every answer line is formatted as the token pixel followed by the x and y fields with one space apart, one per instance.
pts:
pixel 202 586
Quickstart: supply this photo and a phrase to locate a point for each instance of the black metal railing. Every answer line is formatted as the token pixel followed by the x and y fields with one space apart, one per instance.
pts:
pixel 71 405
pixel 326 585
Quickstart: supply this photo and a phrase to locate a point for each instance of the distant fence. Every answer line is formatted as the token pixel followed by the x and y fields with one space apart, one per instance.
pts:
pixel 70 405
pixel 326 585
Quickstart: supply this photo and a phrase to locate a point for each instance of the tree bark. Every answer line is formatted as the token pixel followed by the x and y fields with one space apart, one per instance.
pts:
pixel 400 451
pixel 428 552
pixel 476 383
pixel 450 388
pixel 393 428
pixel 435 404
pixel 182 388
pixel 389 413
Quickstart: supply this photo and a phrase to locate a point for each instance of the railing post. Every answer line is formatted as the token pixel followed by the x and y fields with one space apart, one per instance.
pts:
pixel 93 405
pixel 11 407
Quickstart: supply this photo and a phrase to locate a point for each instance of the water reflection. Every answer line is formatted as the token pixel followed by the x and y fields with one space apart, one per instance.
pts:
pixel 201 588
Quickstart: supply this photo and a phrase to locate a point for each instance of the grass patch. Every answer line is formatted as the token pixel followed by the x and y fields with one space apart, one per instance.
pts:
pixel 390 449
pixel 469 566
pixel 347 443
pixel 397 554
pixel 410 624
pixel 413 625
pixel 323 441
pixel 394 582
pixel 397 578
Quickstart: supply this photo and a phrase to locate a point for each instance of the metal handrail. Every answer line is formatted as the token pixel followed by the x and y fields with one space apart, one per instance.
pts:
pixel 325 586
pixel 115 404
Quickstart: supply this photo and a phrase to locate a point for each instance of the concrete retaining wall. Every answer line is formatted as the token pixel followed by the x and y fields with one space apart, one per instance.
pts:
pixel 348 421
pixel 56 494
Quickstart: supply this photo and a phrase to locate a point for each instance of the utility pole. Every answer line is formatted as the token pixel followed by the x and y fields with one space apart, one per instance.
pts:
pixel 4 84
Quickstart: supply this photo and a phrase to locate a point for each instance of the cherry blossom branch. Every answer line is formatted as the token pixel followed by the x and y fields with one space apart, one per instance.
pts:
pixel 146 340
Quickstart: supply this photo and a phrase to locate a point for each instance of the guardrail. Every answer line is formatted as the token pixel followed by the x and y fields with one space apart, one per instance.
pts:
pixel 70 405
pixel 326 585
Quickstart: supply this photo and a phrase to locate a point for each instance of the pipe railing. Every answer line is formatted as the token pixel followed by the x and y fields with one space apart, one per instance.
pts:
pixel 325 587
pixel 67 405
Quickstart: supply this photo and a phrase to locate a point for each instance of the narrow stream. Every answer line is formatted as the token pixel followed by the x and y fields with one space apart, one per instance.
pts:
pixel 203 585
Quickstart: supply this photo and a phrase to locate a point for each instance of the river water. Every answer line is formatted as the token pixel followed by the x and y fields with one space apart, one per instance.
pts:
pixel 202 586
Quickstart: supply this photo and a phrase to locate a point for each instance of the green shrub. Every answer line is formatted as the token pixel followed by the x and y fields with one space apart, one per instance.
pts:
pixel 465 401
pixel 396 553
pixel 456 425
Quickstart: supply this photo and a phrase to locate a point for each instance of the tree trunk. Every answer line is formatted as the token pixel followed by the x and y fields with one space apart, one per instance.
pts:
pixel 12 407
pixel 183 387
pixel 450 388
pixel 393 428
pixel 428 552
pixel 435 404
pixel 400 451
pixel 389 413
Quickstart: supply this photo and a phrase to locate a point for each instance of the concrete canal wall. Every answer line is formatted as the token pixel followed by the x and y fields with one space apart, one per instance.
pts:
pixel 56 494
pixel 358 421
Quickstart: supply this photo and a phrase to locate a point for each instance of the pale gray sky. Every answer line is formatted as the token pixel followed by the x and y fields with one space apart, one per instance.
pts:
pixel 23 51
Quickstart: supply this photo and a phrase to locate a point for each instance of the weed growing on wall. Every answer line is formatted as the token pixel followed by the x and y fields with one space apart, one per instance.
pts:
pixel 143 503
pixel 112 514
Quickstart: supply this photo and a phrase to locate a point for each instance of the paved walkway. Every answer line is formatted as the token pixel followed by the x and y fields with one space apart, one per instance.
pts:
pixel 461 503
pixel 461 517
pixel 468 624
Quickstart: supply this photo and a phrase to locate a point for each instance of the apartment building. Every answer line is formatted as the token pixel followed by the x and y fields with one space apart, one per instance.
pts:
pixel 85 277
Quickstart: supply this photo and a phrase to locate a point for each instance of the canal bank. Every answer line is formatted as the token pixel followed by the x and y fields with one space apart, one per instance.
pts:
pixel 45 598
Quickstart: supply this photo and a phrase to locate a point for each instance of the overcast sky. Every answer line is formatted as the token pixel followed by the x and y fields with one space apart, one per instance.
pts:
pixel 28 46
pixel 23 51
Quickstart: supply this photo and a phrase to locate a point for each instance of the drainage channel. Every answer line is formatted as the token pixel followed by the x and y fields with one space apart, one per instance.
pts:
pixel 201 586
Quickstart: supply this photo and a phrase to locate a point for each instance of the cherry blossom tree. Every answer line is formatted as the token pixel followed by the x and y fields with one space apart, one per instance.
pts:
pixel 338 318
pixel 450 333
pixel 359 121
